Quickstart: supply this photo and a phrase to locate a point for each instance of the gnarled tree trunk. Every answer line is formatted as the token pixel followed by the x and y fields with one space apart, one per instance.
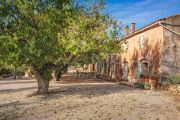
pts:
pixel 59 71
pixel 57 74
pixel 14 74
pixel 43 85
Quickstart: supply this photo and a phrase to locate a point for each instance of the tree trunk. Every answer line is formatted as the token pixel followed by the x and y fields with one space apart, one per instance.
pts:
pixel 14 74
pixel 57 74
pixel 66 70
pixel 43 85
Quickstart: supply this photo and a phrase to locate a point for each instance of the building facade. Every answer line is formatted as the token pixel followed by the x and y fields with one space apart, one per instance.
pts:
pixel 153 53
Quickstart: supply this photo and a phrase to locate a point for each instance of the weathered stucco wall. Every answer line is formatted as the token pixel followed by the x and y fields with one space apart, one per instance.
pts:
pixel 153 39
pixel 170 63
pixel 157 57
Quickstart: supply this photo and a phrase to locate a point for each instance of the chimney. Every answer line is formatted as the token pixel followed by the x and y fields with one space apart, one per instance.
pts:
pixel 133 27
pixel 126 30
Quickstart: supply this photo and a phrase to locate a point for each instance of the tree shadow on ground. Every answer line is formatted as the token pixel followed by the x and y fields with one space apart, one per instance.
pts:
pixel 15 103
pixel 18 78
pixel 87 90
pixel 9 91
pixel 17 82
pixel 70 85
pixel 11 111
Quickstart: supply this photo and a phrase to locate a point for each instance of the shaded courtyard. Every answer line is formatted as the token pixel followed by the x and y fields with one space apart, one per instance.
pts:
pixel 84 99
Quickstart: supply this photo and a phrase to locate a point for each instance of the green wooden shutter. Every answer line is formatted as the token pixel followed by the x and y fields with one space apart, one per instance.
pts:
pixel 139 70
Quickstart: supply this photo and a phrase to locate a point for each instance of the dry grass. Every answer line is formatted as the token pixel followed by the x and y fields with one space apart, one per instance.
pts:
pixel 79 99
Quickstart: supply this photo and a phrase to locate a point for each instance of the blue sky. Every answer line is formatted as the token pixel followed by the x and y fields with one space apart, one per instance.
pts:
pixel 142 12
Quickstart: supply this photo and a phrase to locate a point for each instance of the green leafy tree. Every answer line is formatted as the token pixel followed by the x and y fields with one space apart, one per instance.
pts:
pixel 29 36
pixel 89 37
pixel 53 34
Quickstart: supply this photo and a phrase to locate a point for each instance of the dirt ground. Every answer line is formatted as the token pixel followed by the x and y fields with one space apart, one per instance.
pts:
pixel 80 99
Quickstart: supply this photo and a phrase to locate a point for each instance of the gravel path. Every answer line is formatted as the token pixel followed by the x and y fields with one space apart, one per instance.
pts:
pixel 79 99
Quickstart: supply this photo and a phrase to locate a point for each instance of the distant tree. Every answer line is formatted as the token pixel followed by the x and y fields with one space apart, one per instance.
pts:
pixel 89 37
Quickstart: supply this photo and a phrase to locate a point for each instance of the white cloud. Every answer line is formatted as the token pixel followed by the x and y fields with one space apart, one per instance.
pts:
pixel 144 11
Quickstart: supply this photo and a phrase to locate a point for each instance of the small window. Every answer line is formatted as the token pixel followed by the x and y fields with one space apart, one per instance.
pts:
pixel 142 41
pixel 124 47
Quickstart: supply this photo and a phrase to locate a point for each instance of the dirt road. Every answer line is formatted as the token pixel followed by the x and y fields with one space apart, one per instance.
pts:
pixel 80 99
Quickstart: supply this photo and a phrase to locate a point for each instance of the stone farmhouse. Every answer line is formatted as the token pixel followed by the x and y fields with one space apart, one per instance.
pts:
pixel 153 53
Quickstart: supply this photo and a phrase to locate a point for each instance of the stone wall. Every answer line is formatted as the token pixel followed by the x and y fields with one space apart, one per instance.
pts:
pixel 136 54
pixel 170 62
pixel 158 57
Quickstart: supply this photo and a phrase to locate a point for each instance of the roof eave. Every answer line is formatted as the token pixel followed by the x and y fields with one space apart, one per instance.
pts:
pixel 153 25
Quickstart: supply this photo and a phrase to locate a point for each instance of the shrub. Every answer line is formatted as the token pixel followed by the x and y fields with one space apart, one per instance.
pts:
pixel 174 79
pixel 139 85
pixel 147 86
pixel 5 71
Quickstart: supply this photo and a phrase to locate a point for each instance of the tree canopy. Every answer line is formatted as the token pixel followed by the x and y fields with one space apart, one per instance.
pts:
pixel 46 34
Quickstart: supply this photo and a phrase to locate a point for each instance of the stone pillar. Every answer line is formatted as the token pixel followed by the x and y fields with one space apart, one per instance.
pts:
pixel 88 67
pixel 107 68
pixel 91 67
pixel 114 71
pixel 99 68
pixel 84 67
pixel 96 67
pixel 102 68
pixel 28 74
pixel 110 69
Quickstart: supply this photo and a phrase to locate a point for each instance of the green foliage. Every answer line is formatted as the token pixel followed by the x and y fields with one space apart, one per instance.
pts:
pixel 5 71
pixel 29 35
pixel 86 37
pixel 147 86
pixel 174 79
pixel 139 85
pixel 47 75
pixel 142 85
pixel 49 33
pixel 8 70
